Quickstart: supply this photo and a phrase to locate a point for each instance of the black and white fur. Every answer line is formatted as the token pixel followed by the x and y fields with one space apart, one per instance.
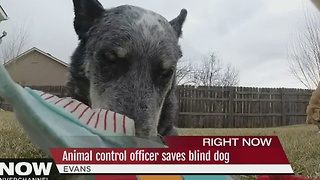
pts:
pixel 126 62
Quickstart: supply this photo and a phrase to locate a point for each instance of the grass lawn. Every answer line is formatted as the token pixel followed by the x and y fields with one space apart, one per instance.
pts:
pixel 300 142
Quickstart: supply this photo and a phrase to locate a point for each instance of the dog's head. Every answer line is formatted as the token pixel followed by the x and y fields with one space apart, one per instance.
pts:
pixel 129 57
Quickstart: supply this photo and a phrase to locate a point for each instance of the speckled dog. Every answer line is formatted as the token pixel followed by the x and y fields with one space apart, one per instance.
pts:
pixel 126 62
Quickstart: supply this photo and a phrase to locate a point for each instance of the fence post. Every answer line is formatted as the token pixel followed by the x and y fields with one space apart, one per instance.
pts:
pixel 231 106
pixel 283 107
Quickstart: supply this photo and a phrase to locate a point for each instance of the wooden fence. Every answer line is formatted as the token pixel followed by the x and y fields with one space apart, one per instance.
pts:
pixel 230 107
pixel 241 107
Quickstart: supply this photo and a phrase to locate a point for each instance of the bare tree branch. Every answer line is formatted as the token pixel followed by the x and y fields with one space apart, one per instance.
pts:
pixel 183 72
pixel 14 43
pixel 230 77
pixel 212 73
pixel 304 51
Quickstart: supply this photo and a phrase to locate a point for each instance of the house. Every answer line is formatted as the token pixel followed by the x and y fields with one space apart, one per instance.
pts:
pixel 3 15
pixel 37 68
pixel 316 3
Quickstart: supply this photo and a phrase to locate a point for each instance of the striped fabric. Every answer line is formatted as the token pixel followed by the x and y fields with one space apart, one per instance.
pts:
pixel 107 121
pixel 100 120
pixel 163 177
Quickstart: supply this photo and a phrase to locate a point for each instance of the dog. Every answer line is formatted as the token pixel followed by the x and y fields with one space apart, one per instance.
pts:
pixel 126 62
pixel 313 108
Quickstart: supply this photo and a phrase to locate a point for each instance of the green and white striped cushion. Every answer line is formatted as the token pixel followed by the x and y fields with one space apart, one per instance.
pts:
pixel 95 119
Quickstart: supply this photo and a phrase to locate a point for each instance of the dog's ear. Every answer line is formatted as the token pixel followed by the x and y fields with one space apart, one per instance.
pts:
pixel 177 22
pixel 85 11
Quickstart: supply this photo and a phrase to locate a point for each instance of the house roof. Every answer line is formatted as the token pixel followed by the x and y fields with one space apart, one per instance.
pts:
pixel 3 14
pixel 39 51
pixel 316 3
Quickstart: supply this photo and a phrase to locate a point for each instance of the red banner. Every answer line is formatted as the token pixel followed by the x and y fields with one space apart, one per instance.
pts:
pixel 223 141
pixel 183 150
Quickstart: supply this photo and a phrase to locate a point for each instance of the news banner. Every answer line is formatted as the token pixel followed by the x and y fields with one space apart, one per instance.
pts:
pixel 185 155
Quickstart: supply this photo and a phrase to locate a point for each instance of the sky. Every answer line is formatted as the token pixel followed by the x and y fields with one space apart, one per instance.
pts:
pixel 252 35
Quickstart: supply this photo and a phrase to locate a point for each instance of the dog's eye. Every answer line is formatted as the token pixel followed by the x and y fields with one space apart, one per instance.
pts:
pixel 167 73
pixel 108 58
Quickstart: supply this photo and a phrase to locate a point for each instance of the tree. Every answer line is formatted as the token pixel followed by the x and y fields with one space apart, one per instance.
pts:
pixel 183 72
pixel 14 43
pixel 212 72
pixel 304 52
